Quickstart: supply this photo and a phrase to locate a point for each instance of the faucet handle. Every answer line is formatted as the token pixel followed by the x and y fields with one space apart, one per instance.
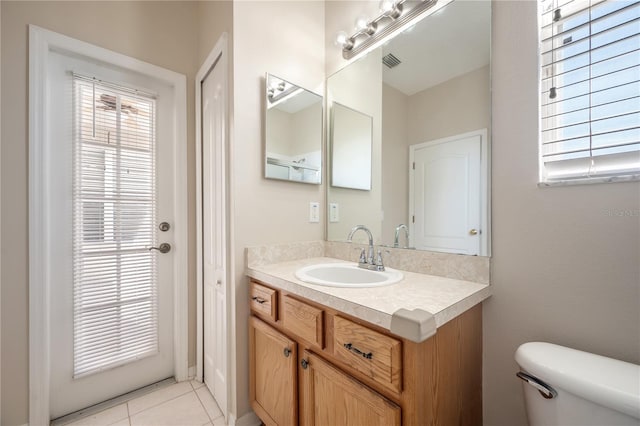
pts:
pixel 363 255
pixel 379 263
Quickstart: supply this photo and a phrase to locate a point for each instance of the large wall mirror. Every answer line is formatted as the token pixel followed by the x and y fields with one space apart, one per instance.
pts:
pixel 293 132
pixel 428 93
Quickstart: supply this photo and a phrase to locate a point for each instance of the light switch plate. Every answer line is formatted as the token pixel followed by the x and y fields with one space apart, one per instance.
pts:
pixel 314 212
pixel 334 212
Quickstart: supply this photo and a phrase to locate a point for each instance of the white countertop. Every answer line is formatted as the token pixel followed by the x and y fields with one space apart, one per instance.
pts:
pixel 443 298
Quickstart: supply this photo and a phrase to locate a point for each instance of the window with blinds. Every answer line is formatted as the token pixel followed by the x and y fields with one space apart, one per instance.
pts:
pixel 114 279
pixel 590 90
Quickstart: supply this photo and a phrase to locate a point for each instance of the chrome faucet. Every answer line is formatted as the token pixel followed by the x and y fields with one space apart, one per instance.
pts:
pixel 367 262
pixel 397 236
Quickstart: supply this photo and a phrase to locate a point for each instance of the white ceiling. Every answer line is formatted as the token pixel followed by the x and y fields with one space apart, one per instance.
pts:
pixel 453 41
pixel 299 101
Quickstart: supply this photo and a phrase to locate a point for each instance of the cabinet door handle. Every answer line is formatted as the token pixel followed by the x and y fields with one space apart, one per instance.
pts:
pixel 260 300
pixel 287 352
pixel 304 363
pixel 350 347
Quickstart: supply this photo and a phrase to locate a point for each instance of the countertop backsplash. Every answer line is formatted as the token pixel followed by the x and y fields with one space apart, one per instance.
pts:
pixel 461 267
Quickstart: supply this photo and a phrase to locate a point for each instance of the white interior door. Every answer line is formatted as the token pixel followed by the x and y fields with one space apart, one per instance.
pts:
pixel 112 180
pixel 446 183
pixel 214 233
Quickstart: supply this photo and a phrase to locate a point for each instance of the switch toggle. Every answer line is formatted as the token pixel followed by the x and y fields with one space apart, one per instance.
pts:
pixel 314 212
pixel 334 212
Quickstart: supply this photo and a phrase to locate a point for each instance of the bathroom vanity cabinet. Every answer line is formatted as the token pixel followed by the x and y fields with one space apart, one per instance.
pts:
pixel 314 365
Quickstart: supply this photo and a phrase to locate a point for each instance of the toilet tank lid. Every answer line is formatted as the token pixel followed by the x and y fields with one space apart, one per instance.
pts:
pixel 606 381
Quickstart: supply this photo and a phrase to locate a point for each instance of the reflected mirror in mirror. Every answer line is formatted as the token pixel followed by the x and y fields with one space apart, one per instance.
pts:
pixel 428 93
pixel 293 132
pixel 350 148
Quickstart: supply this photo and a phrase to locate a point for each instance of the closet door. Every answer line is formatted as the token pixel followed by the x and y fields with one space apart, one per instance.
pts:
pixel 214 229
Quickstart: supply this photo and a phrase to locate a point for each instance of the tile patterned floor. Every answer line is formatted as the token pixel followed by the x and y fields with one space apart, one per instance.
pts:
pixel 180 404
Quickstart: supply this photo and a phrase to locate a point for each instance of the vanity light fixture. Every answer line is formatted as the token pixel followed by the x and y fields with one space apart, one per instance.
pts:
pixel 280 90
pixel 394 14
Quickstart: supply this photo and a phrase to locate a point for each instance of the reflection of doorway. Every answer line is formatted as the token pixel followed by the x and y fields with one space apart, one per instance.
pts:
pixel 448 194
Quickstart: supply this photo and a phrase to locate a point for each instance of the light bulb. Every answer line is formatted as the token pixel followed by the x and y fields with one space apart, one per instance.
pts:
pixel 387 5
pixel 341 38
pixel 361 23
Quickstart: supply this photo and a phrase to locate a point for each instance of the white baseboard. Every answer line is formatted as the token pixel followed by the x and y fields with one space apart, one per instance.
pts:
pixel 249 419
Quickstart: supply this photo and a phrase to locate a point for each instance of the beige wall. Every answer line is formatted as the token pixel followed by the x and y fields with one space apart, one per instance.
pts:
pixel 214 18
pixel 290 45
pixel 459 105
pixel 563 269
pixel 395 163
pixel 307 129
pixel 278 132
pixel 297 133
pixel 155 32
pixel 359 87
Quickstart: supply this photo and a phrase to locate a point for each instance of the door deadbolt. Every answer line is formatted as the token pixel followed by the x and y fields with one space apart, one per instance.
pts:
pixel 164 226
pixel 162 248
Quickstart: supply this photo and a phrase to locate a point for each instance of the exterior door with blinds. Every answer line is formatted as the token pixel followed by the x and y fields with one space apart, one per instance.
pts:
pixel 111 301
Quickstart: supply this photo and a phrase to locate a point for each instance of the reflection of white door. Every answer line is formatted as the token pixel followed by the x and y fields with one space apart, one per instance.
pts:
pixel 214 233
pixel 446 180
pixel 112 180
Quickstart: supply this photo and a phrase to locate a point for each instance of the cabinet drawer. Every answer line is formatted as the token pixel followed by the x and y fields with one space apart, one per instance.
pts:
pixel 371 353
pixel 263 300
pixel 303 320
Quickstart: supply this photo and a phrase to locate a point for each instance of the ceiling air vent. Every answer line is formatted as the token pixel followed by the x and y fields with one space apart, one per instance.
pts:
pixel 390 61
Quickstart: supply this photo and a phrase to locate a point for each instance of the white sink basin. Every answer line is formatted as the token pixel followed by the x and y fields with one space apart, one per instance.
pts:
pixel 346 275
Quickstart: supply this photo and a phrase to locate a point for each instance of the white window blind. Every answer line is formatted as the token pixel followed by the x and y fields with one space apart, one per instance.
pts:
pixel 590 90
pixel 115 284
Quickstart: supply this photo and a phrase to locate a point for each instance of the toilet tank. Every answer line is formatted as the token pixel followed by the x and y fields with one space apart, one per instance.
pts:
pixel 590 389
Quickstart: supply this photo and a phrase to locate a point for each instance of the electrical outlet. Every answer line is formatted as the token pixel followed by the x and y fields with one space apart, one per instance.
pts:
pixel 334 212
pixel 314 212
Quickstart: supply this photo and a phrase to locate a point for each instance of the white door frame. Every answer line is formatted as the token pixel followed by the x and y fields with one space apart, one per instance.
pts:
pixel 217 57
pixel 41 42
pixel 485 184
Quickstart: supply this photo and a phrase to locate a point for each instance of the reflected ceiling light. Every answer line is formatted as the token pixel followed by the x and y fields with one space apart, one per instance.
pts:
pixel 394 14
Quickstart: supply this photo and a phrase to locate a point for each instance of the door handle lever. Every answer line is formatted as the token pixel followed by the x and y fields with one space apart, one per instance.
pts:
pixel 163 248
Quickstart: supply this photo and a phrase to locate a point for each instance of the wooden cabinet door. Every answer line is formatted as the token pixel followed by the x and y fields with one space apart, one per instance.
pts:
pixel 331 397
pixel 273 375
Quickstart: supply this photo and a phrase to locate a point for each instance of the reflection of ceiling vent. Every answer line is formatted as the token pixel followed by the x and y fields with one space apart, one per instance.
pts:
pixel 390 61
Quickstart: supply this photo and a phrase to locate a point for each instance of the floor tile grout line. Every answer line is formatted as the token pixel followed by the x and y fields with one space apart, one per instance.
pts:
pixel 153 406
pixel 101 407
pixel 205 408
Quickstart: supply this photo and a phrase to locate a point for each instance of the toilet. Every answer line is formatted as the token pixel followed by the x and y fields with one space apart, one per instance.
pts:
pixel 564 386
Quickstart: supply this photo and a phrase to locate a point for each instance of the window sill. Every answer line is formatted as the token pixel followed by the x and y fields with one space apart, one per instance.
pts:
pixel 589 181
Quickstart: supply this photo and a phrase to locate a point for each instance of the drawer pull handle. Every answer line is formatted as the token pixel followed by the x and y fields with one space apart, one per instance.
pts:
pixel 304 363
pixel 350 347
pixel 260 300
pixel 287 352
